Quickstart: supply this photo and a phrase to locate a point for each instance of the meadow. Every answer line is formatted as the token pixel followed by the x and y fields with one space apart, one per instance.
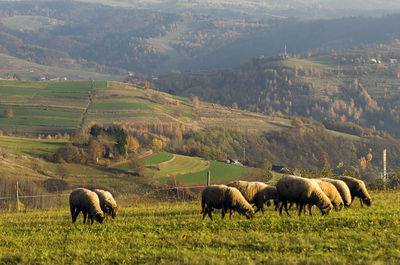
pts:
pixel 174 233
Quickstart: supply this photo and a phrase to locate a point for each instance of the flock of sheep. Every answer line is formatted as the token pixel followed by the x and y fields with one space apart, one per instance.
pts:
pixel 95 204
pixel 325 193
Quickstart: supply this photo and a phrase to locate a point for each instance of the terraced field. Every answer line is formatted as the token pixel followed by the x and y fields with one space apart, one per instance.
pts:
pixel 29 146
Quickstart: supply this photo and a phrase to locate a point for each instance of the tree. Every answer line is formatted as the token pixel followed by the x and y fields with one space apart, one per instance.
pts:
pixel 195 101
pixel 156 144
pixel 235 105
pixel 323 161
pixel 133 144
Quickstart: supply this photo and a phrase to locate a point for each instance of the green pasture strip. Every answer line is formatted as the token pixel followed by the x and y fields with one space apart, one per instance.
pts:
pixel 27 146
pixel 43 111
pixel 181 165
pixel 70 86
pixel 220 173
pixel 181 98
pixel 174 233
pixel 38 121
pixel 22 84
pixel 119 106
pixel 63 94
pixel 159 158
pixel 99 84
pixel 28 91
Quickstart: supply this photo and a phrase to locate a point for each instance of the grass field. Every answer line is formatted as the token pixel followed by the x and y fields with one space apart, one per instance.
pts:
pixel 220 173
pixel 173 233
pixel 159 158
pixel 179 164
pixel 29 146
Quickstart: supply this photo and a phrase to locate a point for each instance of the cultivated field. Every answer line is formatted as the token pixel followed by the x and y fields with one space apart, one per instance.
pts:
pixel 173 233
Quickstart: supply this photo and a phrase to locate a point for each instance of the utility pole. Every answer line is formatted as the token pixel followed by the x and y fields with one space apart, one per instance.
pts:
pixel 17 198
pixel 384 169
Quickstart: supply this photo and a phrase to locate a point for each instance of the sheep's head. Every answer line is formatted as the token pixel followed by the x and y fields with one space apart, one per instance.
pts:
pixel 114 211
pixel 249 213
pixel 326 209
pixel 99 217
pixel 367 201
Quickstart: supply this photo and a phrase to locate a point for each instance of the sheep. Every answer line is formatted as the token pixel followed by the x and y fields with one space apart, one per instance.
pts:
pixel 107 203
pixel 342 188
pixel 256 193
pixel 332 193
pixel 357 189
pixel 88 202
pixel 225 198
pixel 301 191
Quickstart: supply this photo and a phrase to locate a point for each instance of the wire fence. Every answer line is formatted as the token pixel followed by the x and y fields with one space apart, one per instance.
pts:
pixel 39 201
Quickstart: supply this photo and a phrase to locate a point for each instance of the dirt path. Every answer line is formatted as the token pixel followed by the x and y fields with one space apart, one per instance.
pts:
pixel 84 113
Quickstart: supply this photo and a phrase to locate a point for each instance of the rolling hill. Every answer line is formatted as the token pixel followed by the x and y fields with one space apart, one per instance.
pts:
pixel 359 85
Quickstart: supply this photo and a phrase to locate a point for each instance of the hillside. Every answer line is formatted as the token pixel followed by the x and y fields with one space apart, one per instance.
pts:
pixel 203 129
pixel 359 85
pixel 117 37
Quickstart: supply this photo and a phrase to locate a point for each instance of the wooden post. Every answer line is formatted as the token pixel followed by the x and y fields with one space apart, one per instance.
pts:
pixel 208 178
pixel 17 198
pixel 384 169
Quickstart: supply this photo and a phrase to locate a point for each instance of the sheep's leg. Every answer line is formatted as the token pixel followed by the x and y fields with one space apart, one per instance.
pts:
pixel 75 215
pixel 309 209
pixel 209 213
pixel 281 207
pixel 223 213
pixel 286 209
pixel 84 216
pixel 361 203
pixel 202 206
pixel 230 213
pixel 205 212
pixel 300 209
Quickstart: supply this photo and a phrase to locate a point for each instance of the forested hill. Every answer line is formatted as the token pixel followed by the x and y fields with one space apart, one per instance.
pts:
pixel 360 85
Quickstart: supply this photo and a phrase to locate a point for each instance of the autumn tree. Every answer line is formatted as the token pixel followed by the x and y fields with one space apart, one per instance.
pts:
pixel 195 101
pixel 323 161
pixel 235 105
pixel 156 144
pixel 133 144
pixel 8 113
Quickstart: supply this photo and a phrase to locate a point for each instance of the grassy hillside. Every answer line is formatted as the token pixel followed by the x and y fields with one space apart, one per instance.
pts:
pixel 359 85
pixel 33 71
pixel 174 233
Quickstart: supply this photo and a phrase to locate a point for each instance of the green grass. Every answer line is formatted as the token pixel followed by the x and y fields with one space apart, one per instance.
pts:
pixel 181 98
pixel 29 146
pixel 179 164
pixel 119 106
pixel 173 233
pixel 220 173
pixel 159 158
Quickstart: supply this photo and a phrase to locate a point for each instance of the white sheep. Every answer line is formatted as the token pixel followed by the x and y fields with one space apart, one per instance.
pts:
pixel 88 202
pixel 107 203
pixel 256 193
pixel 301 191
pixel 225 198
pixel 342 188
pixel 357 189
pixel 331 192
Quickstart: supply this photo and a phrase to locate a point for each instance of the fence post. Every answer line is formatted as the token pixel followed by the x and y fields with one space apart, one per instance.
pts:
pixel 17 198
pixel 208 178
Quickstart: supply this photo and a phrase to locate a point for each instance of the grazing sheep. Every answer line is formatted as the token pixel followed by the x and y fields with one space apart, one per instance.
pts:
pixel 342 188
pixel 88 202
pixel 301 191
pixel 256 193
pixel 332 193
pixel 225 198
pixel 107 203
pixel 357 189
